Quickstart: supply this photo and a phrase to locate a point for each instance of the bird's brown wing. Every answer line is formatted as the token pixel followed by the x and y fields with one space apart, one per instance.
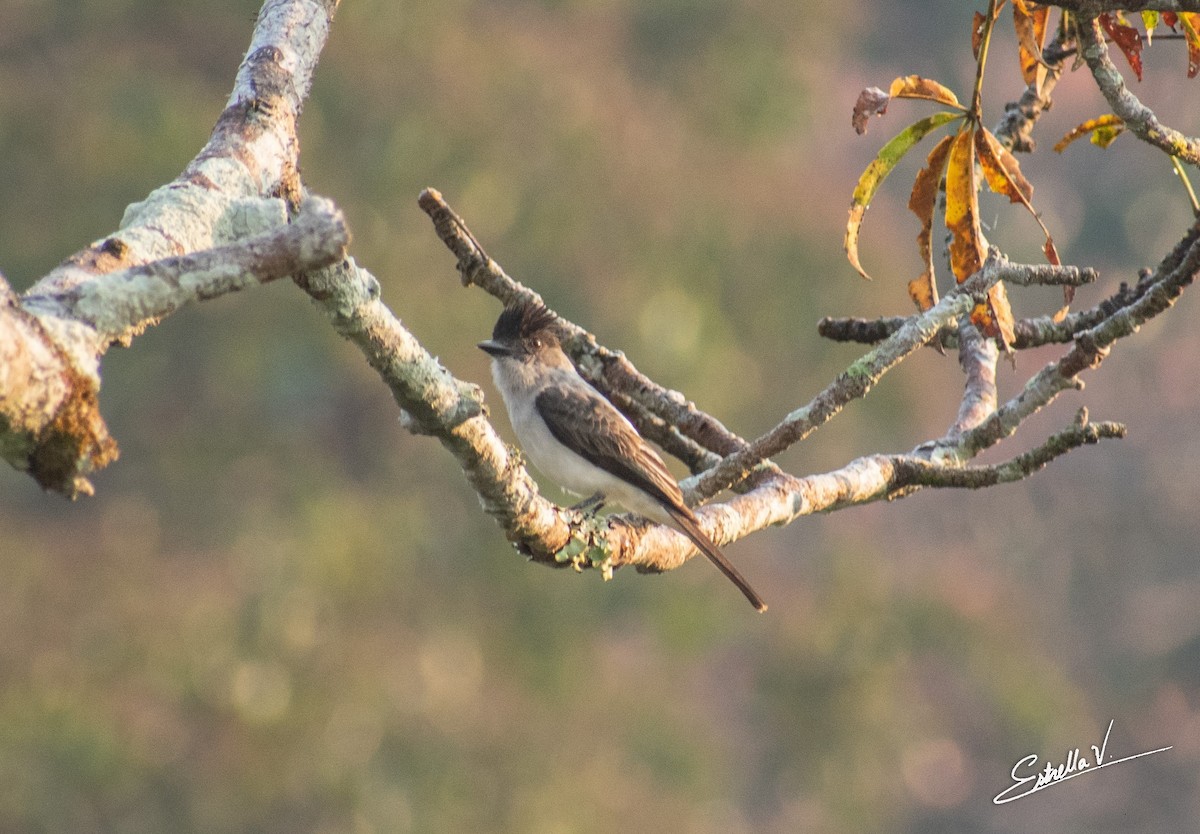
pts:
pixel 591 426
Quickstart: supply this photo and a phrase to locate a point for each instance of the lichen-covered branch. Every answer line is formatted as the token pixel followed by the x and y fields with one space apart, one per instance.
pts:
pixel 1177 272
pixel 1137 117
pixel 119 305
pixel 435 403
pixel 861 481
pixel 243 183
pixel 1091 8
pixel 1030 333
pixel 771 496
pixel 915 471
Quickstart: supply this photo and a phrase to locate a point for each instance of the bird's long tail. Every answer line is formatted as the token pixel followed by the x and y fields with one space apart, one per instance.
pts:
pixel 690 527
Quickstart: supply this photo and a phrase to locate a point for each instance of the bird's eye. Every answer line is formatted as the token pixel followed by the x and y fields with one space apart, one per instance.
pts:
pixel 536 343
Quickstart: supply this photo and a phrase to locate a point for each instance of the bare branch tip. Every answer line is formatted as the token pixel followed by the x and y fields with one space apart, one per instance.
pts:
pixel 430 200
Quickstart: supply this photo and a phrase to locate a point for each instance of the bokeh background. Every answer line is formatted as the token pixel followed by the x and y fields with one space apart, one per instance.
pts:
pixel 282 613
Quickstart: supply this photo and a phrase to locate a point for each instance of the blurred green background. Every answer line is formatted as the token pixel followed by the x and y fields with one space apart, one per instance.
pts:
pixel 282 613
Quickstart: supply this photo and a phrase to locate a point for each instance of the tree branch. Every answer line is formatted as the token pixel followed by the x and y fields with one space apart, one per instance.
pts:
pixel 977 357
pixel 861 481
pixel 1137 117
pixel 1177 272
pixel 915 471
pixel 1030 333
pixel 854 383
pixel 242 183
pixel 119 305
pixel 1092 8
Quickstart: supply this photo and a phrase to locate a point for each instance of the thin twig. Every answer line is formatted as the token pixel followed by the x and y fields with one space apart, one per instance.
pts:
pixel 1187 185
pixel 921 472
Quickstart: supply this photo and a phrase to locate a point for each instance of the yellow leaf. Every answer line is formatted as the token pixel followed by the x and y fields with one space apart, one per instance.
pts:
pixel 1191 32
pixel 853 228
pixel 962 207
pixel 1109 121
pixel 1149 21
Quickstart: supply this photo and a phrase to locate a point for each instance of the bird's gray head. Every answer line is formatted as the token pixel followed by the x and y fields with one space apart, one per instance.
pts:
pixel 524 331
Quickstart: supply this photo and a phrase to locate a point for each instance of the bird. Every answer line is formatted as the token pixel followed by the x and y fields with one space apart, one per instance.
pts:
pixel 573 435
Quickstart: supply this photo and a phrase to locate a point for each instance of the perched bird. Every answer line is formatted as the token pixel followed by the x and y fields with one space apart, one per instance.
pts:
pixel 576 437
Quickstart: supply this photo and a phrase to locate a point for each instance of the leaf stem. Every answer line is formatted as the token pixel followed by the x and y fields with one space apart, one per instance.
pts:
pixel 977 95
pixel 1187 184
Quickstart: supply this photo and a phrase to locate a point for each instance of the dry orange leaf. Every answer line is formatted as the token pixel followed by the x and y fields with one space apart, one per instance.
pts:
pixel 914 86
pixel 995 317
pixel 1001 169
pixel 1031 35
pixel 922 203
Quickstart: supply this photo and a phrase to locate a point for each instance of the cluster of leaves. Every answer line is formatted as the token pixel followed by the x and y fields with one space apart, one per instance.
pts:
pixel 953 165
pixel 1129 40
pixel 1030 26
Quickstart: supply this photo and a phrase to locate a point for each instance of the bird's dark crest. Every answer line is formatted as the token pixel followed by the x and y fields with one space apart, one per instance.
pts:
pixel 524 320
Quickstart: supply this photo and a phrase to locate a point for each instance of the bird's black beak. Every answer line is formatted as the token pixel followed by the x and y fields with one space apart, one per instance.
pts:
pixel 494 348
